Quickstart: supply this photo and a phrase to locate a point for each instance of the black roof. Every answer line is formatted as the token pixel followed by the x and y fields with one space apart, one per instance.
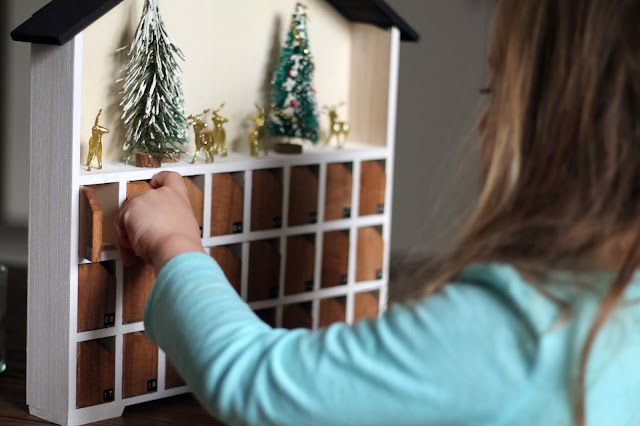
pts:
pixel 376 12
pixel 61 20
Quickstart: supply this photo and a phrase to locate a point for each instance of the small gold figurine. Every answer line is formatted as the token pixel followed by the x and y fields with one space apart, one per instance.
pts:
pixel 204 139
pixel 219 134
pixel 337 128
pixel 256 135
pixel 211 141
pixel 95 143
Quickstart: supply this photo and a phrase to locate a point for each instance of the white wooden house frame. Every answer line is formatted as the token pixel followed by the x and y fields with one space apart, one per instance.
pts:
pixel 326 252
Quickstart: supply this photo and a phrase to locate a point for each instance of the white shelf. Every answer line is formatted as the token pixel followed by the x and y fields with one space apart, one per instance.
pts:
pixel 313 154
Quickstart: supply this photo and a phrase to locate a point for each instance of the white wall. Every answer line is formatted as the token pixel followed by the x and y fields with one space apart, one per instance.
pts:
pixel 438 99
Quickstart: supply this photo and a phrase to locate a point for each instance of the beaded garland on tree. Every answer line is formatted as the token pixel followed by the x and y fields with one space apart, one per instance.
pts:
pixel 293 106
pixel 153 100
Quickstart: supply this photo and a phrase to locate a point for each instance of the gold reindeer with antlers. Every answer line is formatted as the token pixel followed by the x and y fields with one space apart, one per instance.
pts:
pixel 95 143
pixel 218 133
pixel 204 139
pixel 256 135
pixel 337 128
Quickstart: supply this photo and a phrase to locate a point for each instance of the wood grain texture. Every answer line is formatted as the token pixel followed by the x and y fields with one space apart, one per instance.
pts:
pixel 172 378
pixel 95 371
pixel 264 270
pixel 303 195
pixel 54 161
pixel 300 264
pixel 366 306
pixel 335 259
pixel 107 195
pixel 90 225
pixel 297 316
pixel 196 199
pixel 370 253
pixel 266 199
pixel 369 89
pixel 136 187
pixel 139 364
pixel 287 148
pixel 138 281
pixel 96 296
pixel 227 198
pixel 331 311
pixel 148 160
pixel 338 191
pixel 230 264
pixel 373 179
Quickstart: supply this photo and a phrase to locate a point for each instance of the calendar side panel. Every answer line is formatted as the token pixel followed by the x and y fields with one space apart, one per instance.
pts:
pixel 52 227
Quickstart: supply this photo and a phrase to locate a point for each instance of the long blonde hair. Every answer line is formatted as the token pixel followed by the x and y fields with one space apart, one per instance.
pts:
pixel 561 147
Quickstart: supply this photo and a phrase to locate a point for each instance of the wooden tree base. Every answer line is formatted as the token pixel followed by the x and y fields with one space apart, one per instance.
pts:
pixel 287 148
pixel 148 160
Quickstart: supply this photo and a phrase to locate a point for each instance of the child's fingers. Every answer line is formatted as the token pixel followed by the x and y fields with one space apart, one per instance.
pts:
pixel 171 179
pixel 127 254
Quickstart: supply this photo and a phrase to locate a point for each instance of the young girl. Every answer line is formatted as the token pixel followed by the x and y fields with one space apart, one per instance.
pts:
pixel 531 318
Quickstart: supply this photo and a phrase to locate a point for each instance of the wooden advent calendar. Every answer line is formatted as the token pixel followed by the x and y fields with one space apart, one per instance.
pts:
pixel 304 239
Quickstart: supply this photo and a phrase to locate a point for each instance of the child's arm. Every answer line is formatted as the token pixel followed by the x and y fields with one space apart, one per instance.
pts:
pixel 428 364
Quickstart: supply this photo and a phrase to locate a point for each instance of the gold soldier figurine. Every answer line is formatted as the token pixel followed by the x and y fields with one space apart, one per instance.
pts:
pixel 95 143
pixel 256 135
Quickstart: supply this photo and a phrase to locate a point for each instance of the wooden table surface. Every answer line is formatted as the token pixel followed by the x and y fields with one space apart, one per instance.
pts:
pixel 178 410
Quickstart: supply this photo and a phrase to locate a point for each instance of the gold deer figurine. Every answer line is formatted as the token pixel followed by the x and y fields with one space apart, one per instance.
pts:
pixel 337 128
pixel 211 141
pixel 95 143
pixel 219 134
pixel 256 135
pixel 204 139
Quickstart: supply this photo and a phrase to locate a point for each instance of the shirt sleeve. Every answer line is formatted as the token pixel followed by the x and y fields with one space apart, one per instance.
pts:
pixel 428 363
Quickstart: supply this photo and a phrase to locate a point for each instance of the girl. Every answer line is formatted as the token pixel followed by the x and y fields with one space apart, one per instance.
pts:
pixel 530 319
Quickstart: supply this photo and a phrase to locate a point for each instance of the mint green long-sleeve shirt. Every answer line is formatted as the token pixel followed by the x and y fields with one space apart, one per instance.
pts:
pixel 487 350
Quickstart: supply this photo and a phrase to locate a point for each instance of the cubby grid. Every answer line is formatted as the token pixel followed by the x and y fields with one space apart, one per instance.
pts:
pixel 335 295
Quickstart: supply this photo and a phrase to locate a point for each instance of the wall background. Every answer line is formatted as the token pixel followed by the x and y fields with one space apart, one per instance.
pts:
pixel 436 172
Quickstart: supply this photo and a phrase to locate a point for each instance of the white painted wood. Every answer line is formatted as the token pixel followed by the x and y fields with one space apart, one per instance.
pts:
pixel 394 69
pixel 283 267
pixel 206 217
pixel 55 115
pixel 162 370
pixel 286 190
pixel 234 162
pixel 341 290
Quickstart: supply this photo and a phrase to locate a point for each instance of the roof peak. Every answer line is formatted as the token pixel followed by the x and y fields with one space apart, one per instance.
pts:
pixel 61 20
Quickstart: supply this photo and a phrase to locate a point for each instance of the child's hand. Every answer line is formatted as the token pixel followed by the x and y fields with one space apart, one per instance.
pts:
pixel 158 224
